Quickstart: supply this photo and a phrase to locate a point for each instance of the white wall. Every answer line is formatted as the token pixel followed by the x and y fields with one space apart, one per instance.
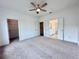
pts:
pixel 28 25
pixel 3 33
pixel 71 23
pixel 78 21
pixel 71 18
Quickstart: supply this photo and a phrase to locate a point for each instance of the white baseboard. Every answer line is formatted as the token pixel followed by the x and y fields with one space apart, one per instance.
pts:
pixel 29 36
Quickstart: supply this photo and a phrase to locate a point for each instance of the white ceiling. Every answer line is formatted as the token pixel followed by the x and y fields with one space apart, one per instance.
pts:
pixel 24 5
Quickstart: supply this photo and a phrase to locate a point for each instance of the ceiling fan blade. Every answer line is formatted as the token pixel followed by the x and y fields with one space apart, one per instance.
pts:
pixel 32 9
pixel 33 4
pixel 44 5
pixel 43 10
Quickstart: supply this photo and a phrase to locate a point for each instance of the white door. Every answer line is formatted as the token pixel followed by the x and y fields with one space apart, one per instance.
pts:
pixel 61 28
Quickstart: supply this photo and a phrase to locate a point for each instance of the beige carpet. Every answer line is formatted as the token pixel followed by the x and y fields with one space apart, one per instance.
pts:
pixel 40 48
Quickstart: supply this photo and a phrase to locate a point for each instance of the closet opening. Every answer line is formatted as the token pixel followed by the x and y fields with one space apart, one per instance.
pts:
pixel 13 30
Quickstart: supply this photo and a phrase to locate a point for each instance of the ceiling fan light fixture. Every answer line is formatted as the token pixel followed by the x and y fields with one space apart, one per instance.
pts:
pixel 38 10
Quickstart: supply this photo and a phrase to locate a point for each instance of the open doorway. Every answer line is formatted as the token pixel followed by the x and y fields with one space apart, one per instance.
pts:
pixel 13 30
pixel 53 28
pixel 41 29
pixel 56 28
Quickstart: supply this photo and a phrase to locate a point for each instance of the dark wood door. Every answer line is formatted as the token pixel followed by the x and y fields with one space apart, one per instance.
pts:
pixel 41 29
pixel 13 29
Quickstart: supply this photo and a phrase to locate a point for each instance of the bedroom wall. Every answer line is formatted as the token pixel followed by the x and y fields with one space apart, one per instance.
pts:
pixel 28 25
pixel 78 21
pixel 71 29
pixel 71 18
pixel 3 33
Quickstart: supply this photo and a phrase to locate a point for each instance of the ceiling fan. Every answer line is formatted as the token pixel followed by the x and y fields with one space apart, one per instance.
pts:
pixel 38 7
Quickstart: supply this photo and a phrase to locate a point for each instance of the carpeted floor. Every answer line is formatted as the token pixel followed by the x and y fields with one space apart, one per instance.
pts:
pixel 40 48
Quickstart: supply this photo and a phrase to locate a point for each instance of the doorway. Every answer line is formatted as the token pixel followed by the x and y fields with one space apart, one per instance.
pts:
pixel 53 28
pixel 41 29
pixel 56 28
pixel 13 30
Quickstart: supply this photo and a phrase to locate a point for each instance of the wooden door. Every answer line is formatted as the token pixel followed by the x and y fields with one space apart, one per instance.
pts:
pixel 41 29
pixel 13 29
